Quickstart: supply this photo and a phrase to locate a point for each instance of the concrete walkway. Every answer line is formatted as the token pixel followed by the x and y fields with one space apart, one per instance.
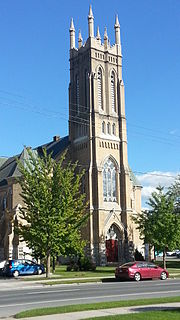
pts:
pixel 104 312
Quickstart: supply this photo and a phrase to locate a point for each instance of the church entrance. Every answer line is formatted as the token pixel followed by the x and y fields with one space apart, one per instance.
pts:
pixel 114 244
pixel 112 250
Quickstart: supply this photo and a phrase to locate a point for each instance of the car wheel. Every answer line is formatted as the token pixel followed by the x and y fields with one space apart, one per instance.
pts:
pixel 163 275
pixel 137 276
pixel 15 273
pixel 39 271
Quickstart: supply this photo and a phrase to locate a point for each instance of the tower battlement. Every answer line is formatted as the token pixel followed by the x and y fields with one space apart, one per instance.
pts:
pixel 95 42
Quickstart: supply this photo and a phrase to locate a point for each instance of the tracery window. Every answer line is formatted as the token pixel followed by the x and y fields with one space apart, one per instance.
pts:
pixel 109 181
pixel 99 78
pixel 113 102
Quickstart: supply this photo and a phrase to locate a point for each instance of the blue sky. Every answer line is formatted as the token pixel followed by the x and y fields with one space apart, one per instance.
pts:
pixel 34 74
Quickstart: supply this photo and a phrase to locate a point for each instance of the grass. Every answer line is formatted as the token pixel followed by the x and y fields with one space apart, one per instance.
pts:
pixel 61 273
pixel 95 306
pixel 100 273
pixel 149 315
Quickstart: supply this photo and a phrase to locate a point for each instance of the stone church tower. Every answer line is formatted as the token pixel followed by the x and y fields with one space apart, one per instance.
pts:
pixel 98 139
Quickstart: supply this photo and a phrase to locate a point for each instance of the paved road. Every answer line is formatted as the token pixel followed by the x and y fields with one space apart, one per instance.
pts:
pixel 16 296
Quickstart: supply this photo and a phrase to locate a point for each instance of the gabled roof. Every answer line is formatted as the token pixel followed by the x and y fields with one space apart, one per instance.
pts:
pixel 134 180
pixel 9 167
pixel 2 160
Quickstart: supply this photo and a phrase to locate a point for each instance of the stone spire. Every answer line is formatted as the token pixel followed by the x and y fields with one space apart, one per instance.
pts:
pixel 91 22
pixel 80 39
pixel 72 35
pixel 105 38
pixel 98 36
pixel 117 31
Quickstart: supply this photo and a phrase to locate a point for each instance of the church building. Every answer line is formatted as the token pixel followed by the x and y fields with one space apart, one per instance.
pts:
pixel 98 141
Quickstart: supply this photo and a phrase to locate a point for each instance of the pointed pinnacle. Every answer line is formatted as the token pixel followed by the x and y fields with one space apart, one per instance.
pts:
pixel 90 12
pixel 80 36
pixel 72 25
pixel 98 36
pixel 117 21
pixel 105 33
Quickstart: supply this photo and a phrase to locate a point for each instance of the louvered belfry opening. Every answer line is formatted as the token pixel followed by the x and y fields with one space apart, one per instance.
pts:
pixel 100 102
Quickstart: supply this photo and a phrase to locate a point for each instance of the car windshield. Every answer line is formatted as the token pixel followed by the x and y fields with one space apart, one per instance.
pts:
pixel 126 265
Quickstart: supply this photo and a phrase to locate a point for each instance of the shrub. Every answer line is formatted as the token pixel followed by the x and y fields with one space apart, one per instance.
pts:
pixel 138 255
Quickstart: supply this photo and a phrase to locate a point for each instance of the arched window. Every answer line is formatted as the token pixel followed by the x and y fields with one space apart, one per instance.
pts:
pixel 109 182
pixel 77 94
pixel 103 127
pixel 113 101
pixel 114 129
pixel 108 128
pixel 86 88
pixel 99 78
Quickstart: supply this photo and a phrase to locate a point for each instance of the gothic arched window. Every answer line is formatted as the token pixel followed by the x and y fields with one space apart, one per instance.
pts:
pixel 113 99
pixel 109 181
pixel 86 88
pixel 108 128
pixel 99 78
pixel 114 129
pixel 103 127
pixel 77 94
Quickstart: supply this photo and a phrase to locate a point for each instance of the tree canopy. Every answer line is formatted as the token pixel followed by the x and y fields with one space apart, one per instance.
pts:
pixel 174 192
pixel 53 207
pixel 160 226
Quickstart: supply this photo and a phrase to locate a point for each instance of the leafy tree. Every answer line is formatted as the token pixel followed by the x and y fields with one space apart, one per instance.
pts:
pixel 174 192
pixel 53 209
pixel 160 226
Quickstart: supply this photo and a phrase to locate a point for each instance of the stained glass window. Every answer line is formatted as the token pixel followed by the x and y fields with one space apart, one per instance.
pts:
pixel 109 181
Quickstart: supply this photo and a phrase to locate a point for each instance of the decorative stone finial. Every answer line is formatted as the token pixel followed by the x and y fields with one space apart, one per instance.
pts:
pixel 72 35
pixel 91 22
pixel 80 39
pixel 98 36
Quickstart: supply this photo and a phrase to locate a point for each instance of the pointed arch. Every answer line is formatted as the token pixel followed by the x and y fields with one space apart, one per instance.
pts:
pixel 77 94
pixel 103 127
pixel 86 88
pixel 100 88
pixel 109 180
pixel 113 96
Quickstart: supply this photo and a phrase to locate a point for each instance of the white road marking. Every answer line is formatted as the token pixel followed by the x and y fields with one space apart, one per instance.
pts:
pixel 49 291
pixel 87 298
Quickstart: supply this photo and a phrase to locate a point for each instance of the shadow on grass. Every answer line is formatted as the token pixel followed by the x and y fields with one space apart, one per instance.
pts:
pixel 154 308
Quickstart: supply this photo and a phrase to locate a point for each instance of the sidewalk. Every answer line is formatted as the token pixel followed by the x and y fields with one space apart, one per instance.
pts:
pixel 104 312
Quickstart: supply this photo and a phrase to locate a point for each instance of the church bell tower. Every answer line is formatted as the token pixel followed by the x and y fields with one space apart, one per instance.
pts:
pixel 98 139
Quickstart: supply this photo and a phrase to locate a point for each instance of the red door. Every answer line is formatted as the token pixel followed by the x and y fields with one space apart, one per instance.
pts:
pixel 112 250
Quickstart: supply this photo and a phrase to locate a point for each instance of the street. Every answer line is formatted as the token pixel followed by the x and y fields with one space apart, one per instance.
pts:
pixel 16 295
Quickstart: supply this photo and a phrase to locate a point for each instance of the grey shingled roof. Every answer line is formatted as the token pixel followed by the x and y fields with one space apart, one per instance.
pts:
pixel 2 160
pixel 134 179
pixel 9 167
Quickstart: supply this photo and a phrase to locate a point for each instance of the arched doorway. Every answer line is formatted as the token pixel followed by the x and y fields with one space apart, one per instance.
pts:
pixel 114 244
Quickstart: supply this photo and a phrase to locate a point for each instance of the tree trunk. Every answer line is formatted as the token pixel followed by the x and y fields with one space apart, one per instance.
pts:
pixel 48 264
pixel 164 259
pixel 53 264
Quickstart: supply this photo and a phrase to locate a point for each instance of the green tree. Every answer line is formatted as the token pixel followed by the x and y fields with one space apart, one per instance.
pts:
pixel 54 208
pixel 174 192
pixel 160 226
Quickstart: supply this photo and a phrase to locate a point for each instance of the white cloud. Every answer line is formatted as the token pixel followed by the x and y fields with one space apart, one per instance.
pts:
pixel 151 180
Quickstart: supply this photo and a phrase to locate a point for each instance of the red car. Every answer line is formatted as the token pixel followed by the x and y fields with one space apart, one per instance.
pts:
pixel 138 270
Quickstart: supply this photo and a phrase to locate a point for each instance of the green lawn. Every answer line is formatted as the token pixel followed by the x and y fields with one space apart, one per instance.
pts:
pixel 100 272
pixel 95 306
pixel 153 315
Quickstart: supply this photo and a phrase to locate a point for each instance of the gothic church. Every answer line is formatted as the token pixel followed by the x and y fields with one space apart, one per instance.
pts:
pixel 98 140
